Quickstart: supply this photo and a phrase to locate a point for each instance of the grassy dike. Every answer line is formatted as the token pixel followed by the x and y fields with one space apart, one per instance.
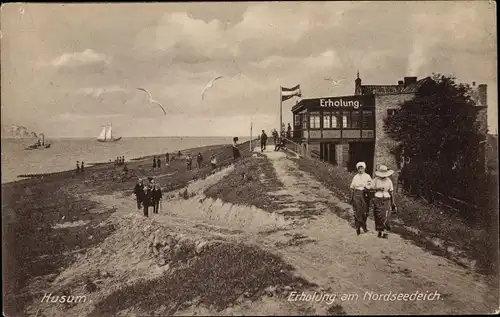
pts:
pixel 34 252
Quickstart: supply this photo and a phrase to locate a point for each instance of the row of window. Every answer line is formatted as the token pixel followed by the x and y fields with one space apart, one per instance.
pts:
pixel 337 120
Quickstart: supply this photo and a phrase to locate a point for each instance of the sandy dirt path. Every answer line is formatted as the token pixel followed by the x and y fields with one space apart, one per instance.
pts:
pixel 344 263
pixel 323 249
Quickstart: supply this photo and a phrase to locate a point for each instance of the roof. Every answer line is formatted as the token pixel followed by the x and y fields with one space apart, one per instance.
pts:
pixel 394 89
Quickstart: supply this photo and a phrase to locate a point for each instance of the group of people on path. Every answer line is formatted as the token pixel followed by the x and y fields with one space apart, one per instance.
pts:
pixel 279 141
pixel 379 193
pixel 148 194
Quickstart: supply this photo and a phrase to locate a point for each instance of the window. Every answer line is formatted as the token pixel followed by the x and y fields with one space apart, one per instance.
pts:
pixel 304 121
pixel 368 119
pixel 327 120
pixel 346 120
pixel 335 120
pixel 296 120
pixel 355 117
pixel 314 121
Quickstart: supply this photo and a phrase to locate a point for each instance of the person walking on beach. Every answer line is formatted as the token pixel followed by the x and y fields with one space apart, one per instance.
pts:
pixel 147 199
pixel 213 162
pixel 77 167
pixel 199 160
pixel 189 162
pixel 236 151
pixel 156 197
pixel 158 163
pixel 139 193
pixel 167 158
pixel 154 163
pixel 361 183
pixel 263 141
pixel 383 202
pixel 82 168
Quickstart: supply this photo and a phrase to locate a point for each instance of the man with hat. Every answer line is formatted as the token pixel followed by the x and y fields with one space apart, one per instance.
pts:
pixel 156 197
pixel 383 202
pixel 147 199
pixel 361 183
pixel 139 192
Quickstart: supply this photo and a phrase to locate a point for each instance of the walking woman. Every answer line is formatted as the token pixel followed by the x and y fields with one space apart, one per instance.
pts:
pixel 383 202
pixel 361 183
pixel 236 151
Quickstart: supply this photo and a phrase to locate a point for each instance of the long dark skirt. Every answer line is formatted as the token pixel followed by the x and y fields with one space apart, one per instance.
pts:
pixel 360 209
pixel 236 153
pixel 381 213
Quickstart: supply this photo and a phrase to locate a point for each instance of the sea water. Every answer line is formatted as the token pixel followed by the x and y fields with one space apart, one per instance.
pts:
pixel 64 153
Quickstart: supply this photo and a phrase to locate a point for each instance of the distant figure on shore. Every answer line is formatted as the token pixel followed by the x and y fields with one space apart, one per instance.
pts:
pixel 139 193
pixel 77 167
pixel 189 162
pixel 383 202
pixel 213 161
pixel 147 199
pixel 82 168
pixel 167 157
pixel 236 151
pixel 154 163
pixel 360 184
pixel 289 131
pixel 179 154
pixel 263 141
pixel 199 160
pixel 158 163
pixel 156 196
pixel 123 159
pixel 275 137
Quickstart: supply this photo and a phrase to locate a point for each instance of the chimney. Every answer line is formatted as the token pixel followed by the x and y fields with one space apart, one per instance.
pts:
pixel 482 95
pixel 409 80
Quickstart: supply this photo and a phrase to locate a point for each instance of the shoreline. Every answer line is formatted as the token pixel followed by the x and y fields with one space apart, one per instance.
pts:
pixel 25 177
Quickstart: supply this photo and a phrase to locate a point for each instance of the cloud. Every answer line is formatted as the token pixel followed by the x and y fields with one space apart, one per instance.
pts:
pixel 328 58
pixel 87 57
pixel 96 92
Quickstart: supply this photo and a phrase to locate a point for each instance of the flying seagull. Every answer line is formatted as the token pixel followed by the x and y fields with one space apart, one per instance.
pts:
pixel 210 84
pixel 334 82
pixel 151 100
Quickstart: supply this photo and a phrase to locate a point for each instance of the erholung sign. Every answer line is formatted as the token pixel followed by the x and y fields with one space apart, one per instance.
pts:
pixel 340 103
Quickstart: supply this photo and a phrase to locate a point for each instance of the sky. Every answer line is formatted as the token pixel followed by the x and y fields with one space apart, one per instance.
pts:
pixel 69 69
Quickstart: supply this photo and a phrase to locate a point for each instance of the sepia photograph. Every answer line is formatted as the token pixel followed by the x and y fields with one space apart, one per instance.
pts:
pixel 305 158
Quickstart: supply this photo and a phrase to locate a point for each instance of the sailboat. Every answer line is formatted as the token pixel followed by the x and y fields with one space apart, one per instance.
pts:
pixel 107 135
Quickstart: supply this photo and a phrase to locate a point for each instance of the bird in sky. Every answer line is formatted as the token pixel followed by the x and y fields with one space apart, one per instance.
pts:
pixel 151 100
pixel 334 82
pixel 210 84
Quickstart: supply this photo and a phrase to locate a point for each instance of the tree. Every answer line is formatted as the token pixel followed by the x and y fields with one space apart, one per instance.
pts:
pixel 437 130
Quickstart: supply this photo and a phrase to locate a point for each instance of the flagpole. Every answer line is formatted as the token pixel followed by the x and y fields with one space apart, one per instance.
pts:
pixel 281 112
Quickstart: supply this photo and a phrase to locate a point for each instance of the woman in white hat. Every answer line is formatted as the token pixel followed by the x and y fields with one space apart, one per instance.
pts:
pixel 360 183
pixel 383 202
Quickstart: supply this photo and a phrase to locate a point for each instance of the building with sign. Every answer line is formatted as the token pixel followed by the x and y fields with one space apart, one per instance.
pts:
pixel 340 130
pixel 348 129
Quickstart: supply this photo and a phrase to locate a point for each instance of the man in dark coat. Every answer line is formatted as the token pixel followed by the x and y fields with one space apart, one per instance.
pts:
pixel 139 193
pixel 157 196
pixel 263 141
pixel 147 200
pixel 199 159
